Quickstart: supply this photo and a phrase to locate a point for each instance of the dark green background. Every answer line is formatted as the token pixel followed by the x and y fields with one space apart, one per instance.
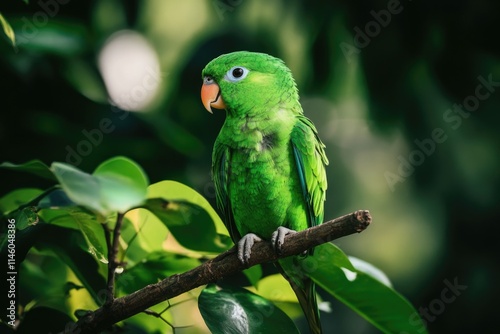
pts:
pixel 370 107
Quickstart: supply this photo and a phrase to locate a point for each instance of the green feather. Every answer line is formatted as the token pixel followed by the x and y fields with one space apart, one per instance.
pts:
pixel 268 161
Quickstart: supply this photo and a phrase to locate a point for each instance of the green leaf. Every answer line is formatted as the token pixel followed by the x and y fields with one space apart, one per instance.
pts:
pixel 35 321
pixel 26 217
pixel 85 80
pixel 382 306
pixel 174 190
pixel 81 188
pixel 42 280
pixel 117 185
pixel 371 270
pixel 55 199
pixel 78 219
pixel 154 267
pixel 276 288
pixel 14 199
pixel 254 274
pixel 188 216
pixel 124 183
pixel 142 323
pixel 33 166
pixel 143 233
pixel 70 246
pixel 172 212
pixel 191 226
pixel 7 29
pixel 57 36
pixel 25 239
pixel 328 254
pixel 237 310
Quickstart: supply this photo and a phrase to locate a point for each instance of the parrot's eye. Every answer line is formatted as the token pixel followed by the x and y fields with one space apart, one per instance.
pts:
pixel 236 73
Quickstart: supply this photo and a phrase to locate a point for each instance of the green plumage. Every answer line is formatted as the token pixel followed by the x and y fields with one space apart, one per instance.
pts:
pixel 268 161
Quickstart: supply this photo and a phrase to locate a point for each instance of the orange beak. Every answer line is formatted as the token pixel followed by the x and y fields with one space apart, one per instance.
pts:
pixel 210 96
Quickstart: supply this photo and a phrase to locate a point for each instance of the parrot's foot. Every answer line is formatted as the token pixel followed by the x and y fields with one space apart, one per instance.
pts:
pixel 245 247
pixel 278 237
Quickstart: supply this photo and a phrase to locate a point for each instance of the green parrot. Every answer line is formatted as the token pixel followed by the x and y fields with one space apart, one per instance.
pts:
pixel 268 163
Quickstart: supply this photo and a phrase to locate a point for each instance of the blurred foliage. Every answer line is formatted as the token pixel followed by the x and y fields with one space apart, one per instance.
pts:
pixel 399 93
pixel 84 210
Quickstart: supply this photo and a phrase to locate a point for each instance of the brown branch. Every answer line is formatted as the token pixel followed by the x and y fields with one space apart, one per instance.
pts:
pixel 112 257
pixel 224 264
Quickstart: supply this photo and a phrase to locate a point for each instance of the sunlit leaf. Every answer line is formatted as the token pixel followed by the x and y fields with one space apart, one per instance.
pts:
pixel 191 225
pixel 7 29
pixel 254 274
pixel 237 310
pixel 276 288
pixel 142 323
pixel 187 215
pixel 174 190
pixel 143 233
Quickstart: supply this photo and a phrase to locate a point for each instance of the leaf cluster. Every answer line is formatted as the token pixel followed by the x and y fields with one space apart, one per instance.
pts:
pixel 66 237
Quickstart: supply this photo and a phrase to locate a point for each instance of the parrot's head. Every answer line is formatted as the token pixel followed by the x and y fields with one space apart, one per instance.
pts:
pixel 244 81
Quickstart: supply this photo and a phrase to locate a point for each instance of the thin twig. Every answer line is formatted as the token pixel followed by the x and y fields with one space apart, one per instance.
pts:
pixel 112 254
pixel 160 314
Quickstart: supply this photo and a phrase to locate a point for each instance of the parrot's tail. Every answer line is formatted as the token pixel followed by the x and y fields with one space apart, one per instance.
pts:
pixel 305 290
pixel 309 304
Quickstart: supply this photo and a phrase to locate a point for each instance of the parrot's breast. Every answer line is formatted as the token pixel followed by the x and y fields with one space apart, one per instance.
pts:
pixel 264 187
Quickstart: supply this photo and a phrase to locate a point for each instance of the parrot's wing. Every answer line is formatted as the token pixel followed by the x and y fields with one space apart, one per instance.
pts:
pixel 220 174
pixel 311 160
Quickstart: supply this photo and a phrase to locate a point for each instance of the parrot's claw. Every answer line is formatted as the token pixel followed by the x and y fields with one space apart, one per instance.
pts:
pixel 278 238
pixel 245 247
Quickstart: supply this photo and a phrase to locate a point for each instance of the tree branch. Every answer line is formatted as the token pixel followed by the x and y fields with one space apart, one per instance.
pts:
pixel 113 249
pixel 225 264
